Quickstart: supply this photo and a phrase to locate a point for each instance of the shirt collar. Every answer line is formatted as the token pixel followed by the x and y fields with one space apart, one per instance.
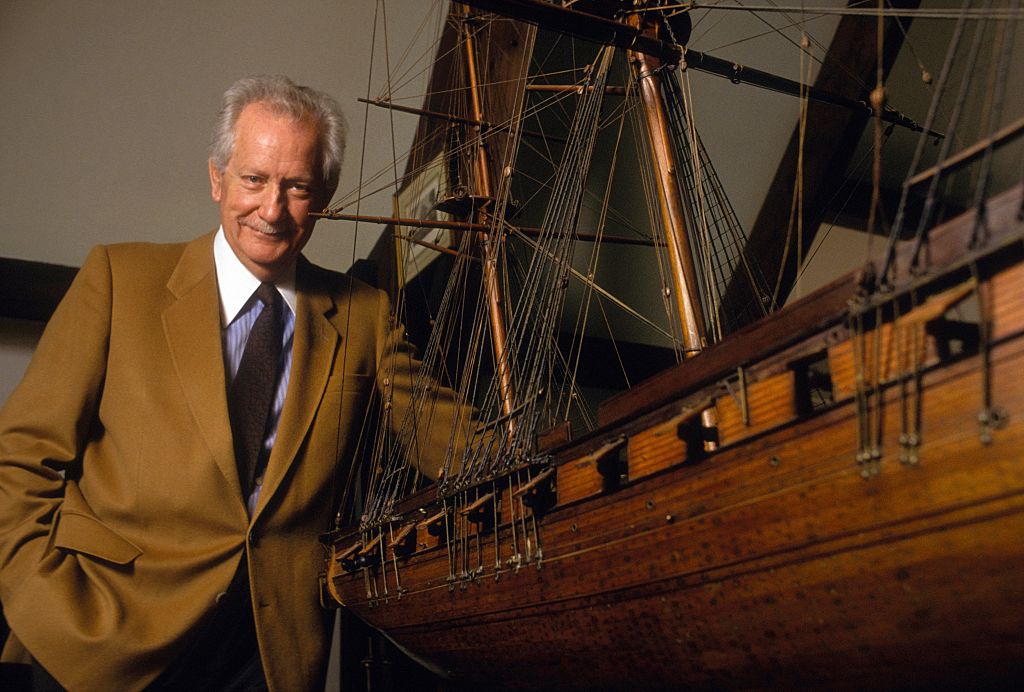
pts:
pixel 236 284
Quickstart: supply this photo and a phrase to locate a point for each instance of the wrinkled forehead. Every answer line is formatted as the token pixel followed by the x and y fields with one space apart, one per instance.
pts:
pixel 260 125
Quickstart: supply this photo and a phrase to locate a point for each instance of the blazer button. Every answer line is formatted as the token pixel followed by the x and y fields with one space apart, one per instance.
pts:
pixel 220 597
pixel 253 540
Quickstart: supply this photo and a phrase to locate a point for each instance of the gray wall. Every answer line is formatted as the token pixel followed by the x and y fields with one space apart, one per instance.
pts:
pixel 106 106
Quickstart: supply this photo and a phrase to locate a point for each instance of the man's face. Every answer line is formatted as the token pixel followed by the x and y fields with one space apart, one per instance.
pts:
pixel 267 188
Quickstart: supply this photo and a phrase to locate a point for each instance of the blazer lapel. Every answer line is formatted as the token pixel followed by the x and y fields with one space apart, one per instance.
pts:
pixel 313 348
pixel 192 328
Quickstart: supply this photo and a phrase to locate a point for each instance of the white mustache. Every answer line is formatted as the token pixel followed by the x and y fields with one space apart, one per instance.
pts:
pixel 259 225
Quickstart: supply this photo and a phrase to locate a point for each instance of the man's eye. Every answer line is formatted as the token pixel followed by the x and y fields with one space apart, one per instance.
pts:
pixel 251 179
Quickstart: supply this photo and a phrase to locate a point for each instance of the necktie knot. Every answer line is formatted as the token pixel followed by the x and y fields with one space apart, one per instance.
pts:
pixel 267 294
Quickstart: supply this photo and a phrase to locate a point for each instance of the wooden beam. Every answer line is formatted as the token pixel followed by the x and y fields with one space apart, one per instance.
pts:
pixel 826 306
pixel 833 134
pixel 31 290
pixel 500 66
pixel 857 202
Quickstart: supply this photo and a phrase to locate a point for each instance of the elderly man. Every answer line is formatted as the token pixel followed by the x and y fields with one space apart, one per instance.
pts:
pixel 176 445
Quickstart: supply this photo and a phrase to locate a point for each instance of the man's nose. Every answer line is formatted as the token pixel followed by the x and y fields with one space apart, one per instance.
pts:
pixel 272 204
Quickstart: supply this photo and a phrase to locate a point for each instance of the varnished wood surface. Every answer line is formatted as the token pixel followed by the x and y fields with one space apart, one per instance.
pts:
pixel 775 561
pixel 779 565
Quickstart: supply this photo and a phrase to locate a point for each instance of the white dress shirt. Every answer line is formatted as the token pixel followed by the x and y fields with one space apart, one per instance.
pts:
pixel 238 312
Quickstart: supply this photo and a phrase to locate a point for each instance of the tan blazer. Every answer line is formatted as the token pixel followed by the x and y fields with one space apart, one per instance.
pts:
pixel 104 571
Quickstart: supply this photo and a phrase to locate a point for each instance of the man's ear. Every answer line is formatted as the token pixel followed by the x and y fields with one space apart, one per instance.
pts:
pixel 216 182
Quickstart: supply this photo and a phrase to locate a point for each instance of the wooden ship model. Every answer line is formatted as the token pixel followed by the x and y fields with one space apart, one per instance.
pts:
pixel 830 493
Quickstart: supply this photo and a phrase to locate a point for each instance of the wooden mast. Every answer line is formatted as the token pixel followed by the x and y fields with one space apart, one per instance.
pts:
pixel 670 201
pixel 489 244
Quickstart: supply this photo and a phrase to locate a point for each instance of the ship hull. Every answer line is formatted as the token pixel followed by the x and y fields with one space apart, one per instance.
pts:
pixel 872 540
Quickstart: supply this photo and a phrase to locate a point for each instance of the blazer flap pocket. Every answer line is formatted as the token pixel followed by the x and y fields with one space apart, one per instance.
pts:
pixel 85 534
pixel 349 382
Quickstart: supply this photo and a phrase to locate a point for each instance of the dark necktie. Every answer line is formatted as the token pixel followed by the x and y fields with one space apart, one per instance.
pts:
pixel 252 392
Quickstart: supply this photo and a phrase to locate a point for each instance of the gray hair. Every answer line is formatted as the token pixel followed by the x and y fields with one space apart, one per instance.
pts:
pixel 284 97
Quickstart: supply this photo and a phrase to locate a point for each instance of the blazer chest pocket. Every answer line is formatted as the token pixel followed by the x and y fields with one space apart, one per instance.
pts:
pixel 87 535
pixel 345 399
pixel 349 383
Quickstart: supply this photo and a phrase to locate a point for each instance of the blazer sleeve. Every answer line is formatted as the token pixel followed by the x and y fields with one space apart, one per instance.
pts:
pixel 48 418
pixel 432 423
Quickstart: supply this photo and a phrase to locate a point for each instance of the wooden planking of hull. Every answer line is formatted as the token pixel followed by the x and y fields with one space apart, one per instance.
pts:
pixel 858 525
